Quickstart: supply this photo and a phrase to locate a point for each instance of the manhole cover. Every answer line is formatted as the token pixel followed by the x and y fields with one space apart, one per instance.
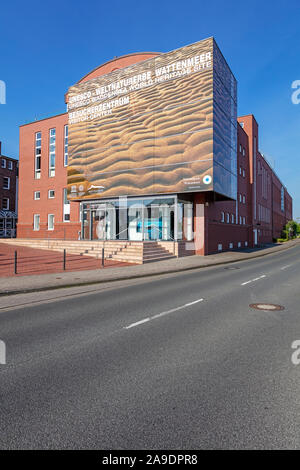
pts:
pixel 268 307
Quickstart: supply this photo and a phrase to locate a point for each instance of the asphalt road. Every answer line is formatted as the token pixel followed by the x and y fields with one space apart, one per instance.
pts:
pixel 179 362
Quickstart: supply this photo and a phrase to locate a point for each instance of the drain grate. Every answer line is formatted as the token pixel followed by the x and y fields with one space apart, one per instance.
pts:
pixel 267 307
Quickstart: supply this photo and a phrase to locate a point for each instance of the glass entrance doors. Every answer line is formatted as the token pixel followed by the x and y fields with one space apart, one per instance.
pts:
pixel 157 218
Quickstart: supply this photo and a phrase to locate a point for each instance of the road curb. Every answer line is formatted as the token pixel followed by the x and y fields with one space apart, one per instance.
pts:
pixel 142 275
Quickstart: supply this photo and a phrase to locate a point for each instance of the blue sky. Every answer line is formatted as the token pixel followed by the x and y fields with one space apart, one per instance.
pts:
pixel 47 46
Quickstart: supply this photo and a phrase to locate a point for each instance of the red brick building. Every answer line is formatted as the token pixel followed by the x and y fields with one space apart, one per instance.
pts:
pixel 258 215
pixel 8 195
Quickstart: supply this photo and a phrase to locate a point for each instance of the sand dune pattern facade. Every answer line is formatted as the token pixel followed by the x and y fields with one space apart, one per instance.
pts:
pixel 160 140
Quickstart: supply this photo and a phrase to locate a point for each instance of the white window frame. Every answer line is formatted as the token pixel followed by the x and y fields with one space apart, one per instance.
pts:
pixel 49 191
pixel 49 218
pixel 66 143
pixel 3 163
pixel 7 205
pixel 8 182
pixel 38 155
pixel 10 165
pixel 52 151
pixel 36 222
pixel 35 195
pixel 66 206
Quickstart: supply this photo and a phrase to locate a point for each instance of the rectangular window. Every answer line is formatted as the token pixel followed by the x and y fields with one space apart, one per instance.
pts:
pixel 244 151
pixel 244 220
pixel 227 218
pixel 50 221
pixel 240 198
pixel 10 165
pixel 36 222
pixel 66 140
pixel 51 193
pixel 52 149
pixel 37 195
pixel 240 170
pixel 240 220
pixel 38 151
pixel 244 173
pixel 3 163
pixel 6 182
pixel 244 199
pixel 66 206
pixel 240 148
pixel 222 217
pixel 232 218
pixel 5 203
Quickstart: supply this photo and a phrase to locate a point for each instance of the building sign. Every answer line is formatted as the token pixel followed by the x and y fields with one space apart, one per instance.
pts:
pixel 164 125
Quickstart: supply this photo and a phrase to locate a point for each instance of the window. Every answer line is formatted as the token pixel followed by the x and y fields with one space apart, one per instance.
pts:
pixel 240 148
pixel 36 222
pixel 51 193
pixel 244 151
pixel 227 218
pixel 5 203
pixel 239 244
pixel 38 151
pixel 244 199
pixel 222 217
pixel 232 218
pixel 3 163
pixel 10 165
pixel 244 220
pixel 220 247
pixel 240 198
pixel 230 246
pixel 52 145
pixel 240 220
pixel 66 206
pixel 50 221
pixel 244 173
pixel 66 140
pixel 240 170
pixel 37 195
pixel 6 182
pixel 246 243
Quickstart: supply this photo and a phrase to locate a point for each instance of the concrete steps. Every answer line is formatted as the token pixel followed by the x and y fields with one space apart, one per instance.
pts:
pixel 124 251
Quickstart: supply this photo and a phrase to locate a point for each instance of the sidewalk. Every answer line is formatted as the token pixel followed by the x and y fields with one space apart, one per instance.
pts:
pixel 15 285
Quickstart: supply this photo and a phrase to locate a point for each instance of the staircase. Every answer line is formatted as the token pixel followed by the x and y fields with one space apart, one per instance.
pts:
pixel 124 251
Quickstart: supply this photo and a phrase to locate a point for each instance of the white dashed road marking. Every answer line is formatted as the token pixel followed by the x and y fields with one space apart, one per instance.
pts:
pixel 162 314
pixel 253 280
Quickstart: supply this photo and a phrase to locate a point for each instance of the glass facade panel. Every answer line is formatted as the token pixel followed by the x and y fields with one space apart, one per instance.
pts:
pixel 137 219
